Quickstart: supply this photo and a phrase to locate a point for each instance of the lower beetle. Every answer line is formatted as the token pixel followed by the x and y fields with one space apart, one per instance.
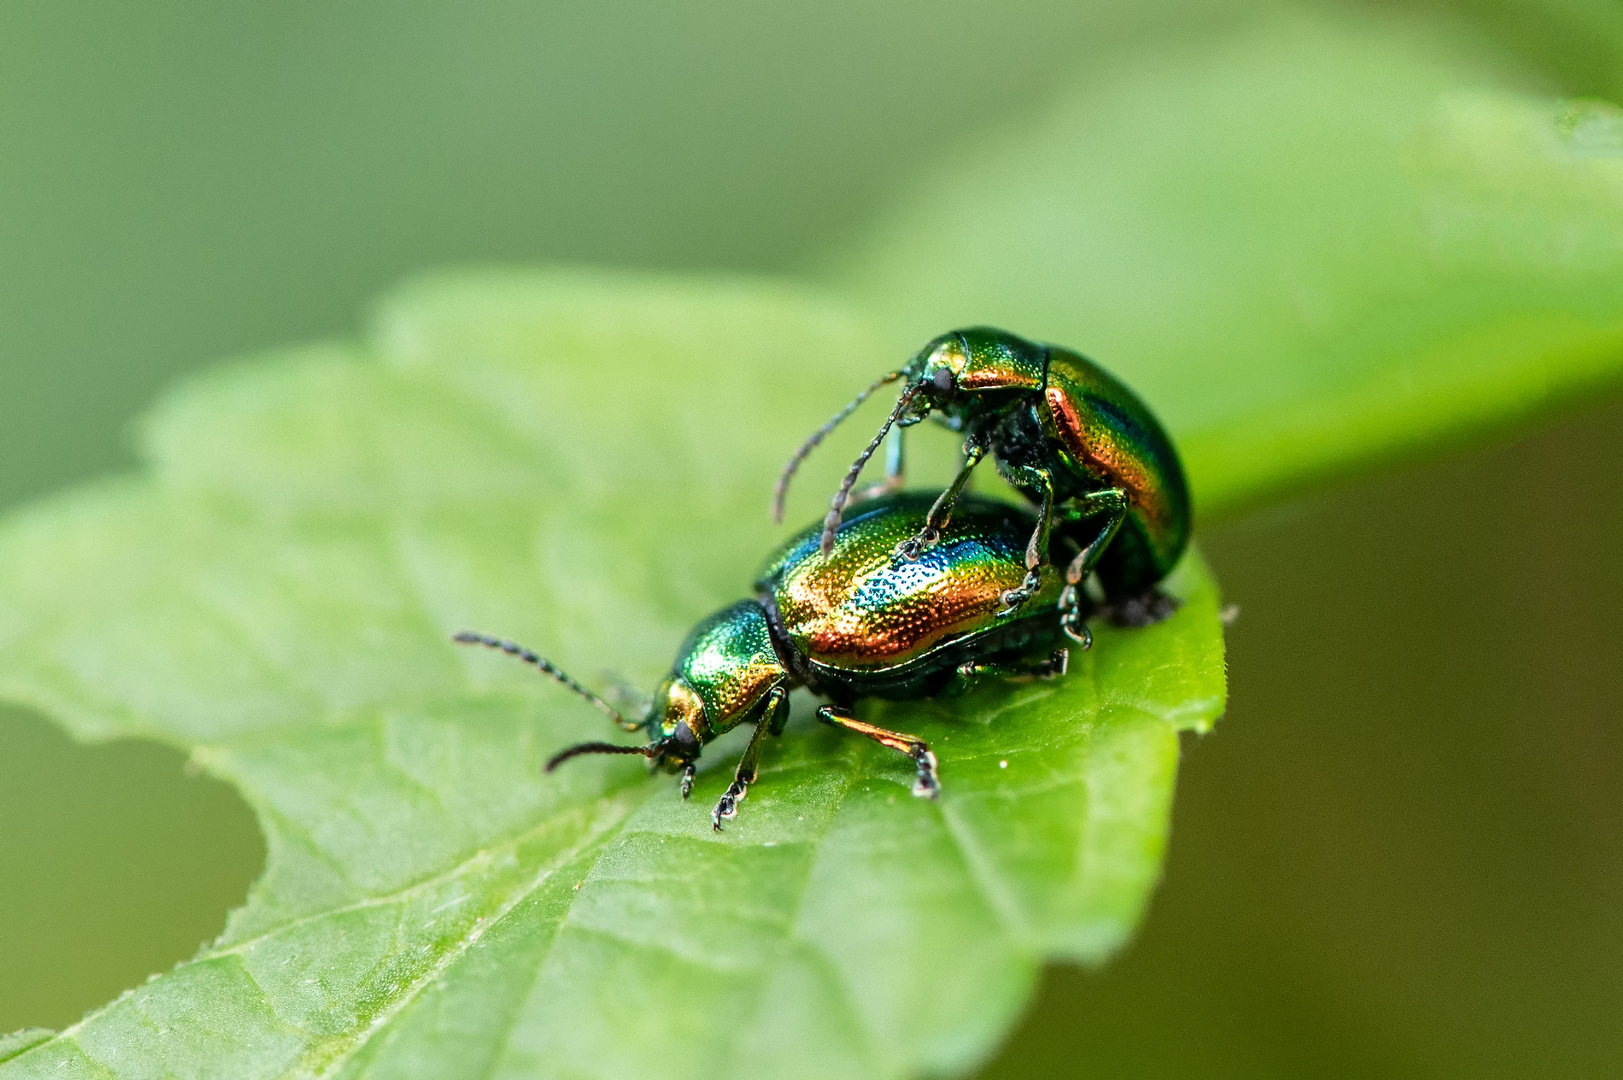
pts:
pixel 862 622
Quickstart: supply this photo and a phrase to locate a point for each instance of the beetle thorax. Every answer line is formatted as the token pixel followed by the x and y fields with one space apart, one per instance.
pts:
pixel 724 671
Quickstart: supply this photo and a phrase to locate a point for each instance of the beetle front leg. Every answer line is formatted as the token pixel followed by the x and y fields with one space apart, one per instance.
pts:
pixel 777 703
pixel 927 784
pixel 941 512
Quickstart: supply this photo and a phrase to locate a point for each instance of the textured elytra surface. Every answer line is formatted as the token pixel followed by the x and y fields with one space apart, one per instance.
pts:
pixel 580 464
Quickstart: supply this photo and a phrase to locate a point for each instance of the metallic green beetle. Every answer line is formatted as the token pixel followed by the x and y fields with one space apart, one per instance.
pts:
pixel 1066 434
pixel 860 622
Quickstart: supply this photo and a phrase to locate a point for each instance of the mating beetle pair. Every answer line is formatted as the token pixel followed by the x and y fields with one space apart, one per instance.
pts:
pixel 1063 432
pixel 858 622
pixel 920 594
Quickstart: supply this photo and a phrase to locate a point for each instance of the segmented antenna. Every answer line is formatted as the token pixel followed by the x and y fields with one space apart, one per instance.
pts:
pixel 599 748
pixel 546 667
pixel 817 436
pixel 837 507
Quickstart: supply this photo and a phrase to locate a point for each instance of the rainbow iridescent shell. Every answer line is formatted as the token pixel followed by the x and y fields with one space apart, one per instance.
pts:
pixel 862 610
pixel 1062 415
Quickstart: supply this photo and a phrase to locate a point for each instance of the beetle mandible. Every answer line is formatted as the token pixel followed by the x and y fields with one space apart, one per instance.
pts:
pixel 1063 432
pixel 858 622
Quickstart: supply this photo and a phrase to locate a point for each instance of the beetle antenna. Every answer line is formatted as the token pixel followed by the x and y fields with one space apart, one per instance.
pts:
pixel 651 750
pixel 817 436
pixel 837 507
pixel 546 667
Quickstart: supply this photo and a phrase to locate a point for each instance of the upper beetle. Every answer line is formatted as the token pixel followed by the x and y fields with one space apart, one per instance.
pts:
pixel 1065 433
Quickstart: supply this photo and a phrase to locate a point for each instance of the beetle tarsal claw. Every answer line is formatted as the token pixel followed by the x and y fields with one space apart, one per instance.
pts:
pixel 914 547
pixel 1077 631
pixel 928 784
pixel 727 808
pixel 1013 598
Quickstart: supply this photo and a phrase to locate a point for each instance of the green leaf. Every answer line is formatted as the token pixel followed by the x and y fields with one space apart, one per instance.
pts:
pixel 581 463
pixel 1312 246
pixel 18 1041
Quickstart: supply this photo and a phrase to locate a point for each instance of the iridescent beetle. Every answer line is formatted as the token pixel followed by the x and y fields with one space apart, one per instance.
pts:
pixel 858 622
pixel 1066 434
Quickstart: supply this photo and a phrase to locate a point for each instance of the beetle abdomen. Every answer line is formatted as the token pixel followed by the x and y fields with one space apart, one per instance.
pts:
pixel 863 609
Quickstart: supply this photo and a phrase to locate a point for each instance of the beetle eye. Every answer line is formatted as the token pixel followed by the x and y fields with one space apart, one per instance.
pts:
pixel 943 380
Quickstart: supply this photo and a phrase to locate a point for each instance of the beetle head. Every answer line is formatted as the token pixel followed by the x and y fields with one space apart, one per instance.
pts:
pixel 676 724
pixel 672 741
pixel 966 373
pixel 963 376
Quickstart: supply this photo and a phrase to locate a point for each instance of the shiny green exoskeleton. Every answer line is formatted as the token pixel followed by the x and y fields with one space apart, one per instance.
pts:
pixel 1065 433
pixel 861 621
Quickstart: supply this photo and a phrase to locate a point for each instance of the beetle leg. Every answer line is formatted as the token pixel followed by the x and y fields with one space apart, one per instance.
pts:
pixel 965 678
pixel 941 512
pixel 1036 547
pixel 777 711
pixel 1058 662
pixel 744 776
pixel 1071 617
pixel 1112 501
pixel 688 772
pixel 927 784
pixel 1072 614
pixel 1052 666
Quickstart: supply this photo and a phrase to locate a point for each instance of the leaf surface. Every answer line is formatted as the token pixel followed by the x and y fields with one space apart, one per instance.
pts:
pixel 581 463
pixel 1312 245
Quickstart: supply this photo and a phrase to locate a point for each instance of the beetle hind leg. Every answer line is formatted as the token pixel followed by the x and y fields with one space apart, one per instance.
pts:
pixel 927 784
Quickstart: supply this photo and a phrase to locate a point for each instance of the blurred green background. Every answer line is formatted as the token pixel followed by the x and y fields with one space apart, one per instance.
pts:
pixel 1399 855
